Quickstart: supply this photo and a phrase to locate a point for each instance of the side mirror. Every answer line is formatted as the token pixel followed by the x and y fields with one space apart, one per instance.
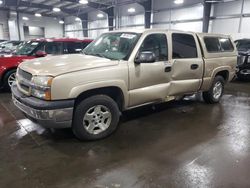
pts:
pixel 145 57
pixel 41 53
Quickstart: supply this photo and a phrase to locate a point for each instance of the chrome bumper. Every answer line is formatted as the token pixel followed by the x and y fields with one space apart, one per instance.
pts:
pixel 56 118
pixel 245 72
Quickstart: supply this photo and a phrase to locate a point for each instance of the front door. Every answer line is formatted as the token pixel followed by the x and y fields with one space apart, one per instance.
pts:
pixel 148 82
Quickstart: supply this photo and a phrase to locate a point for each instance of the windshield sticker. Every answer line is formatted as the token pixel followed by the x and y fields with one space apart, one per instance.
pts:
pixel 128 36
pixel 34 43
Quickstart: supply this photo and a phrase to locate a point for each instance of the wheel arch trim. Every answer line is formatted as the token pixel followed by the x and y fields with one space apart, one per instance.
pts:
pixel 79 90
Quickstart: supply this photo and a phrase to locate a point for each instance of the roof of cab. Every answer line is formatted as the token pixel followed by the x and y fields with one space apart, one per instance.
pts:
pixel 63 40
pixel 140 31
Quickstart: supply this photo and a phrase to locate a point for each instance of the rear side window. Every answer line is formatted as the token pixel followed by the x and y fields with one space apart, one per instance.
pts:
pixel 73 47
pixel 54 48
pixel 212 44
pixel 184 46
pixel 85 44
pixel 226 44
pixel 216 44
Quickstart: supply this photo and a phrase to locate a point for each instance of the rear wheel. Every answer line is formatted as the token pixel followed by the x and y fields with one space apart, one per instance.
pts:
pixel 95 118
pixel 9 79
pixel 215 92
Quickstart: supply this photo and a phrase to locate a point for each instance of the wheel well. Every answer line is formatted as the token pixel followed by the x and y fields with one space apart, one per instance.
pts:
pixel 6 72
pixel 224 74
pixel 114 92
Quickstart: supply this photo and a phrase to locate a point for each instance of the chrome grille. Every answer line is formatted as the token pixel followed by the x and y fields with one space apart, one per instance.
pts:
pixel 24 74
pixel 23 81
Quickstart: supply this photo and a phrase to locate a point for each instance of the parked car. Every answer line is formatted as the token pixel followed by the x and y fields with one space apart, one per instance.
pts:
pixel 243 46
pixel 121 70
pixel 34 49
pixel 8 47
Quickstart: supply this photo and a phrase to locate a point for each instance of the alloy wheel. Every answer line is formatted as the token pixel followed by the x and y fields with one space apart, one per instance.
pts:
pixel 97 119
pixel 11 79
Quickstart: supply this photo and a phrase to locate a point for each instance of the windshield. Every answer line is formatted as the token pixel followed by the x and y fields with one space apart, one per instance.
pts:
pixel 114 46
pixel 27 48
pixel 243 45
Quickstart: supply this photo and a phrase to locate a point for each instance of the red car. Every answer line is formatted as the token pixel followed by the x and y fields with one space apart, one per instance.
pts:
pixel 35 49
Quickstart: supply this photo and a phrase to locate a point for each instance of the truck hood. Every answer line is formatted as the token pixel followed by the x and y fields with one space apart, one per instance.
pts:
pixel 57 65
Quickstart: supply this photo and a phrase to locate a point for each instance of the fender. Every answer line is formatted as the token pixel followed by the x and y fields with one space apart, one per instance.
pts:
pixel 207 82
pixel 78 90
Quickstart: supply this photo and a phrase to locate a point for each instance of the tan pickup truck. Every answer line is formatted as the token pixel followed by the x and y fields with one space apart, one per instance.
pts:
pixel 121 70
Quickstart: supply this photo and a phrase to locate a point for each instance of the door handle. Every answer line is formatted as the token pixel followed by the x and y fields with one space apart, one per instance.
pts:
pixel 194 66
pixel 168 69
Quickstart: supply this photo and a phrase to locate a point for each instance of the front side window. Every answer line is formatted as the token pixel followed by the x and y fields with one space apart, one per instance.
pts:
pixel 156 43
pixel 114 46
pixel 184 46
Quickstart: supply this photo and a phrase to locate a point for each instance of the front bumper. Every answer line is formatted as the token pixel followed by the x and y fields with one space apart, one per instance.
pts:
pixel 245 72
pixel 49 114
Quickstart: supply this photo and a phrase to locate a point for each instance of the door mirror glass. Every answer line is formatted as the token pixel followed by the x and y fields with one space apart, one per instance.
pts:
pixel 41 53
pixel 145 57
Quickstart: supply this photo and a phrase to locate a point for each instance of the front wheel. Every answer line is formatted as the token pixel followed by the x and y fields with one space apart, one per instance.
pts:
pixel 95 118
pixel 9 79
pixel 215 92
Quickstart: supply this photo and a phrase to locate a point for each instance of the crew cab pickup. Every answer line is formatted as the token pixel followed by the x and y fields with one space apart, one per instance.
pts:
pixel 121 70
pixel 34 49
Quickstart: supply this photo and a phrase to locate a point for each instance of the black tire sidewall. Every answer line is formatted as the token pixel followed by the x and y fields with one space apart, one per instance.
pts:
pixel 5 79
pixel 80 110
pixel 209 96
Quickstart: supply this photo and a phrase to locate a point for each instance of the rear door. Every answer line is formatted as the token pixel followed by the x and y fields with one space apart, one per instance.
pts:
pixel 186 64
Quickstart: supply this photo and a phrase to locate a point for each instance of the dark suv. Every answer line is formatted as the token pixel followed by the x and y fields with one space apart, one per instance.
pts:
pixel 34 49
pixel 243 46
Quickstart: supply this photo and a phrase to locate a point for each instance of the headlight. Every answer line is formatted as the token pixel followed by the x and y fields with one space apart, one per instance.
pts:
pixel 42 81
pixel 41 87
pixel 241 59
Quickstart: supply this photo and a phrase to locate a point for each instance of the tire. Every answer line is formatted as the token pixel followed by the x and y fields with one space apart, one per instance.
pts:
pixel 9 77
pixel 215 92
pixel 95 118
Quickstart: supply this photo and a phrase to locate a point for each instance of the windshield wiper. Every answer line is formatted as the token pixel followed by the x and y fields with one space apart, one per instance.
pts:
pixel 97 54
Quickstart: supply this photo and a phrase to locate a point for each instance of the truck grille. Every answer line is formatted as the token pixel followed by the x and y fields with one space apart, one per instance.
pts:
pixel 24 74
pixel 23 81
